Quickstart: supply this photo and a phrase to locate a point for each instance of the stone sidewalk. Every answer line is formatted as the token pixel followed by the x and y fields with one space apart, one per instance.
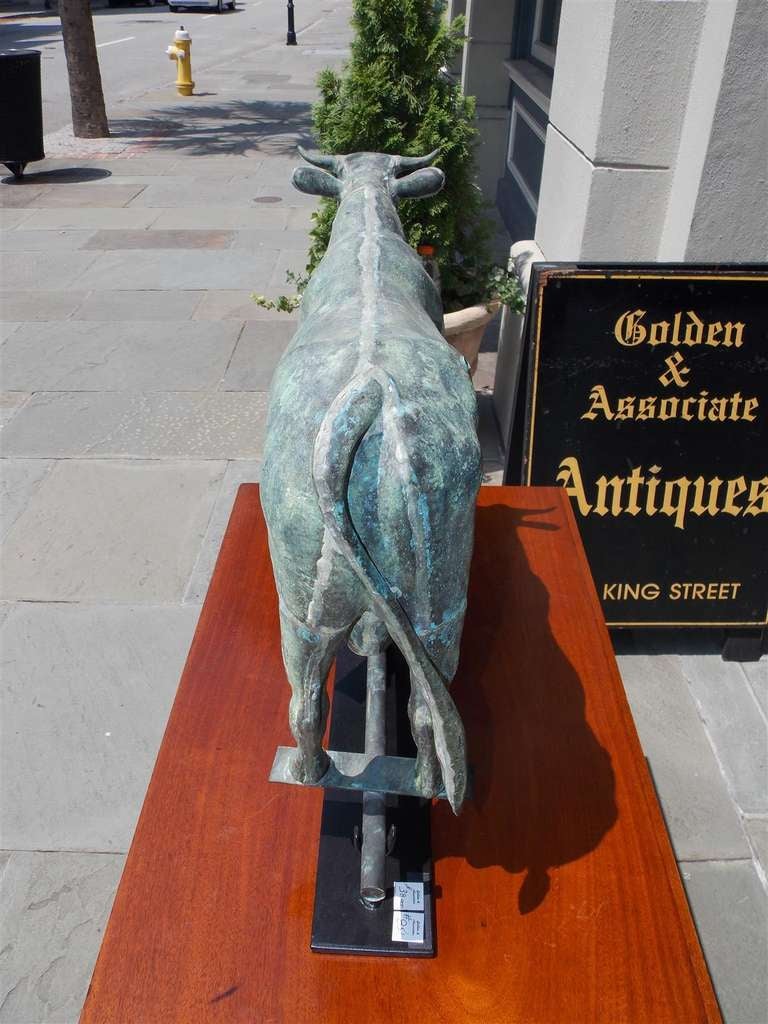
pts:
pixel 136 372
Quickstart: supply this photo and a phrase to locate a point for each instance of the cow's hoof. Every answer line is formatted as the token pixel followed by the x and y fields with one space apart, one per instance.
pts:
pixel 310 770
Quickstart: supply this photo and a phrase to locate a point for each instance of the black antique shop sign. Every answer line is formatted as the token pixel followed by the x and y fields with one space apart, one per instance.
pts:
pixel 648 402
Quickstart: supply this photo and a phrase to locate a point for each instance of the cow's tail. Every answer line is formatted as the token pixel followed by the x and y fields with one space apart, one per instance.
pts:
pixel 343 428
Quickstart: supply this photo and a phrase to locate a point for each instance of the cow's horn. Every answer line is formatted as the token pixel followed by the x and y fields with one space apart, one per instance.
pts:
pixel 415 163
pixel 324 160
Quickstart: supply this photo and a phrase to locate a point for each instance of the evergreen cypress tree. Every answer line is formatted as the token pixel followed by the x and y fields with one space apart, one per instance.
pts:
pixel 394 97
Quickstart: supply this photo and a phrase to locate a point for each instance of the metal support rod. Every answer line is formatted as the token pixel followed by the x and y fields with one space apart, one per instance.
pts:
pixel 372 880
pixel 290 39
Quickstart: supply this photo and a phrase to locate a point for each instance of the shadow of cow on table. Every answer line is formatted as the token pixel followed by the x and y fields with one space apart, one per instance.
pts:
pixel 539 771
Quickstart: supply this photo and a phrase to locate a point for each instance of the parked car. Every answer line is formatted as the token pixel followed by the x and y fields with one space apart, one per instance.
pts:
pixel 130 3
pixel 53 5
pixel 216 5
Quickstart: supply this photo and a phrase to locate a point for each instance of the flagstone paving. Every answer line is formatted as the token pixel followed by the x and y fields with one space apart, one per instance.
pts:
pixel 55 906
pixel 126 304
pixel 136 369
pixel 121 531
pixel 89 697
pixel 95 355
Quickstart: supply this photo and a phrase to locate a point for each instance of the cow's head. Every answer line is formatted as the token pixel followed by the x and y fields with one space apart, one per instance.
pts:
pixel 409 177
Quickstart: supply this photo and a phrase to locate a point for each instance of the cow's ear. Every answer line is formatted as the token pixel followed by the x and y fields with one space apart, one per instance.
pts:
pixel 425 182
pixel 316 182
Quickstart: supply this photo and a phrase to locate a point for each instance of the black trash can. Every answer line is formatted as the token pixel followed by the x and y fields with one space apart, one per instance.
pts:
pixel 21 110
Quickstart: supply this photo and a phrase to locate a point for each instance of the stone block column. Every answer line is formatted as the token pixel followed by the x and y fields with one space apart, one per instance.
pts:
pixel 619 97
pixel 718 201
pixel 483 75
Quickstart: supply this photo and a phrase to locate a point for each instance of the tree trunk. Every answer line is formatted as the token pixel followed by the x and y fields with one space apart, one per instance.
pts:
pixel 89 118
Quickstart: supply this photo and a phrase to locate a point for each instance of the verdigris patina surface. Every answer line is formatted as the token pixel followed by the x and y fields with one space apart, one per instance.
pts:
pixel 371 468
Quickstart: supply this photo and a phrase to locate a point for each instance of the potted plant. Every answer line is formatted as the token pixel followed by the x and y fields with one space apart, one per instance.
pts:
pixel 493 287
pixel 394 96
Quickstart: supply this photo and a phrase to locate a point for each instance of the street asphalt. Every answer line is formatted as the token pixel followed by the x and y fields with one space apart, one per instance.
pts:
pixel 131 43
pixel 135 372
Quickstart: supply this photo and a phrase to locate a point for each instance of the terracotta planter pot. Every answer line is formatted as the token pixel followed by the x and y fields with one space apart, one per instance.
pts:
pixel 464 330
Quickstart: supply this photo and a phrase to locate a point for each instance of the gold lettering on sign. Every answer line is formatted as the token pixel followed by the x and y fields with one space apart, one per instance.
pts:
pixel 652 487
pixel 749 405
pixel 668 408
pixel 703 591
pixel 570 477
pixel 634 481
pixel 647 492
pixel 646 408
pixel 615 483
pixel 757 502
pixel 631 591
pixel 698 505
pixel 687 328
pixel 678 591
pixel 658 333
pixel 600 403
pixel 674 499
pixel 628 329
pixel 694 330
pixel 734 489
pixel 676 372
pixel 730 329
pixel 702 407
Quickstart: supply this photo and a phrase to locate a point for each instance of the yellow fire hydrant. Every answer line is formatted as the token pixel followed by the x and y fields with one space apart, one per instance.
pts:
pixel 180 52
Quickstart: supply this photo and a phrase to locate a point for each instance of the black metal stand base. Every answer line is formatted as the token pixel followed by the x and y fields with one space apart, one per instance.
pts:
pixel 744 645
pixel 16 167
pixel 341 923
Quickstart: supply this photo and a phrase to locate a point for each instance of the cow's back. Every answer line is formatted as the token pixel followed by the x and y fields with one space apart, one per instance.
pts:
pixel 371 310
pixel 415 474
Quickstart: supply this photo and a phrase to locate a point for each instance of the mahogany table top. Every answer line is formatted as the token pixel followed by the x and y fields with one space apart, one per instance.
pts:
pixel 558 896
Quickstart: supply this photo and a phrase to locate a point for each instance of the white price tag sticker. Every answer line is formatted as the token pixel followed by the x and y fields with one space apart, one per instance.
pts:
pixel 407 926
pixel 409 896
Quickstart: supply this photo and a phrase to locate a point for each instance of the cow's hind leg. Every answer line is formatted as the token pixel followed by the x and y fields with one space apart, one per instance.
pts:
pixel 443 653
pixel 429 778
pixel 308 655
